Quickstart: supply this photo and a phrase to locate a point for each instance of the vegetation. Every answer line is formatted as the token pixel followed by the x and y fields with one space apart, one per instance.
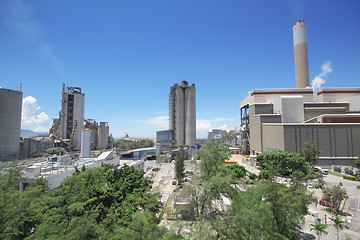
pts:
pixel 278 163
pixel 124 145
pixel 265 211
pixel 319 228
pixel 229 137
pixel 238 171
pixel 56 150
pixel 338 224
pixel 357 162
pixel 179 164
pixel 310 152
pixel 349 177
pixel 97 203
pixel 283 163
pixel 335 194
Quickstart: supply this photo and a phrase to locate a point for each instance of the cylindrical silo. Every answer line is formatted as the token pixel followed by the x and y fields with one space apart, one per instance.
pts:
pixel 85 143
pixel 300 55
pixel 103 135
pixel 180 115
pixel 10 122
pixel 190 120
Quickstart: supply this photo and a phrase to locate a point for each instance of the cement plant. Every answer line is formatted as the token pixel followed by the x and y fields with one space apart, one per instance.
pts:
pixel 282 119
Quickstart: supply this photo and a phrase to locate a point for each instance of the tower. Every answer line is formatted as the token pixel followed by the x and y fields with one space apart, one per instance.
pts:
pixel 72 115
pixel 300 55
pixel 182 111
pixel 10 123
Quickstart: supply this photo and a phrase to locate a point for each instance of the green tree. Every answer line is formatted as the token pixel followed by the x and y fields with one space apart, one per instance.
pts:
pixel 319 228
pixel 357 162
pixel 335 194
pixel 95 203
pixel 338 224
pixel 310 152
pixel 56 150
pixel 180 164
pixel 283 163
pixel 238 171
pixel 212 154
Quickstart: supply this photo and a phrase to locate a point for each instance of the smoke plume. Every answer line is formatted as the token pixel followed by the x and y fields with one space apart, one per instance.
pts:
pixel 320 79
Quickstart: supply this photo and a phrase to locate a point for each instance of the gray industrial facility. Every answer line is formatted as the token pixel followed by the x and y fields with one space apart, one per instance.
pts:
pixel 10 124
pixel 182 113
pixel 285 119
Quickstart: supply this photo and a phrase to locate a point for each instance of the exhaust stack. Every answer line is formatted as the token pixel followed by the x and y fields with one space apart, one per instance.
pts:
pixel 301 55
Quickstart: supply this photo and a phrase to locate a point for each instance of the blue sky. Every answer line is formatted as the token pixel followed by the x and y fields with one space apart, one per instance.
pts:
pixel 125 55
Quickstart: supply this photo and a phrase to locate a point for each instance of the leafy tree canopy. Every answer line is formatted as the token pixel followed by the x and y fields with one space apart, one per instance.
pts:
pixel 95 203
pixel 283 163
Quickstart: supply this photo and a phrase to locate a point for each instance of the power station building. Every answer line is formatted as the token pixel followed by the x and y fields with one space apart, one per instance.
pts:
pixel 286 119
pixel 182 111
pixel 10 123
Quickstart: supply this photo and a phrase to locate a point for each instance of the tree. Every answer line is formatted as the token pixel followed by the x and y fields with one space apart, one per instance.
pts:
pixel 283 163
pixel 237 170
pixel 94 204
pixel 179 164
pixel 310 152
pixel 319 228
pixel 212 154
pixel 357 162
pixel 56 150
pixel 335 194
pixel 338 224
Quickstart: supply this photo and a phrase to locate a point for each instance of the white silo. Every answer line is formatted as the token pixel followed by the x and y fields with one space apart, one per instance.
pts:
pixel 300 55
pixel 85 143
pixel 190 119
pixel 10 122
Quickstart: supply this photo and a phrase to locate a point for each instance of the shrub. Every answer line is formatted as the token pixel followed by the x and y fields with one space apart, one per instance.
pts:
pixel 358 186
pixel 349 177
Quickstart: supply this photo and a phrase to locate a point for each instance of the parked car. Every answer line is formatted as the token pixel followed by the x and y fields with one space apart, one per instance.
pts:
pixel 155 169
pixel 173 182
pixel 325 203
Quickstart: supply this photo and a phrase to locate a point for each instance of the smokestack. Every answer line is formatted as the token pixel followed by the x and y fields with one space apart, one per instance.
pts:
pixel 301 55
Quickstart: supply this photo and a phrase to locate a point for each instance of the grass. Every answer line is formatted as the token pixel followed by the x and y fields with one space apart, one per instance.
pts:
pixel 336 174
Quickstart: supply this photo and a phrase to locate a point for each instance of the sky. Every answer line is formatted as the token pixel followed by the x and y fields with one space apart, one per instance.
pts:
pixel 125 55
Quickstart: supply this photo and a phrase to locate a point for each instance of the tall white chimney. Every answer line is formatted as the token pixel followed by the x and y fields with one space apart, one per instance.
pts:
pixel 301 55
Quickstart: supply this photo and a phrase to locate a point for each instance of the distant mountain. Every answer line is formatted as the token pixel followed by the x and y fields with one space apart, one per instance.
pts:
pixel 29 133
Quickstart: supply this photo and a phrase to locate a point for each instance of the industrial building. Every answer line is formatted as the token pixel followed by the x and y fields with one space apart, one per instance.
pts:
pixel 182 114
pixel 285 119
pixel 182 119
pixel 69 130
pixel 10 124
pixel 68 127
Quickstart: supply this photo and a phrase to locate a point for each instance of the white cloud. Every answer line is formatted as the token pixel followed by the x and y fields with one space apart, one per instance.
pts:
pixel 31 119
pixel 159 121
pixel 320 79
pixel 20 19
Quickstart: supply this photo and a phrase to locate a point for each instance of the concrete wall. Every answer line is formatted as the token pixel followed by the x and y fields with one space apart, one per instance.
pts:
pixel 10 122
pixel 259 114
pixel 273 137
pixel 338 143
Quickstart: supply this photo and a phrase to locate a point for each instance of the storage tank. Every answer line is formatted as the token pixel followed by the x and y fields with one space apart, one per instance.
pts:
pixel 103 135
pixel 300 55
pixel 85 143
pixel 10 123
pixel 179 115
pixel 190 120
